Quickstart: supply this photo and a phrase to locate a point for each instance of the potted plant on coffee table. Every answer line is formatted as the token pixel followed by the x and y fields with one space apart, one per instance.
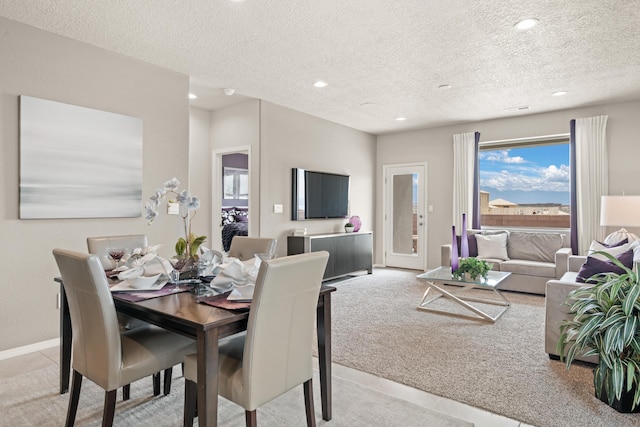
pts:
pixel 473 268
pixel 606 323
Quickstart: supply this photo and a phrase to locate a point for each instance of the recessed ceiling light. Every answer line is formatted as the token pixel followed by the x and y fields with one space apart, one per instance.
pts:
pixel 229 91
pixel 237 1
pixel 192 96
pixel 520 108
pixel 401 119
pixel 444 87
pixel 320 83
pixel 559 93
pixel 526 24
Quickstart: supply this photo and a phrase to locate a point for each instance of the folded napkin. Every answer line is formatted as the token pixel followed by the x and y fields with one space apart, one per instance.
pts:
pixel 148 265
pixel 210 261
pixel 238 272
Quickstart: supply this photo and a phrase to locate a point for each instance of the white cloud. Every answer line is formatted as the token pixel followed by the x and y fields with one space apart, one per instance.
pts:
pixel 500 156
pixel 551 178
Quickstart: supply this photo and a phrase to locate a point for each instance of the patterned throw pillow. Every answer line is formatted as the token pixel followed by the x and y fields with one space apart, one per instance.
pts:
pixel 595 266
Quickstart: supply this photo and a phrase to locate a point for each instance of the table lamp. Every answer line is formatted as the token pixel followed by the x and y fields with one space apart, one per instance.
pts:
pixel 620 211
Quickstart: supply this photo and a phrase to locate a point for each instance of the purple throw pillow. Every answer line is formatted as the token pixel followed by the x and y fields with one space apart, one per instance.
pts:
pixel 473 245
pixel 595 266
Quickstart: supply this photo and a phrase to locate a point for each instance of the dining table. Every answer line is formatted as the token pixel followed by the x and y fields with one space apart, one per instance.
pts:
pixel 184 313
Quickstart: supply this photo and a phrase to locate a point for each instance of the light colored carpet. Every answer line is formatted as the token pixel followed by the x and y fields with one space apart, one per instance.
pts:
pixel 499 367
pixel 33 400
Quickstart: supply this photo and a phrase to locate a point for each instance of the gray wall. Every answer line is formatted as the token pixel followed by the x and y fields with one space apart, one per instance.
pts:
pixel 290 139
pixel 435 146
pixel 39 64
pixel 281 139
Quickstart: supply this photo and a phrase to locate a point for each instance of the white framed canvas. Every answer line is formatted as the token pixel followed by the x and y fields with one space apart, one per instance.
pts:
pixel 78 162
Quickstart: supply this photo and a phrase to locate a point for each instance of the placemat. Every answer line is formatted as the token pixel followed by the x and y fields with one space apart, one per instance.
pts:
pixel 221 301
pixel 168 289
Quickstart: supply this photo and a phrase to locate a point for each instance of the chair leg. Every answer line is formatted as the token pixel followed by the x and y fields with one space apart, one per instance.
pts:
pixel 74 397
pixel 126 392
pixel 156 384
pixel 251 419
pixel 167 380
pixel 109 407
pixel 308 403
pixel 190 399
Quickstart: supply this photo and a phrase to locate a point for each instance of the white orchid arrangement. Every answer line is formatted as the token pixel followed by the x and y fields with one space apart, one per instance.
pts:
pixel 186 246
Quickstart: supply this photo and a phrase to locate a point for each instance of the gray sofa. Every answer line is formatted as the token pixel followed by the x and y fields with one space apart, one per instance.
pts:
pixel 555 309
pixel 534 258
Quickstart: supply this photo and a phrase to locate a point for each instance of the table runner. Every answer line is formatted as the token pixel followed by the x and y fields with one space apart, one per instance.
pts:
pixel 167 289
pixel 221 301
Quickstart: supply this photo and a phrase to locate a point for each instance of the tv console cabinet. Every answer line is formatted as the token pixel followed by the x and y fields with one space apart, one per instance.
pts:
pixel 348 252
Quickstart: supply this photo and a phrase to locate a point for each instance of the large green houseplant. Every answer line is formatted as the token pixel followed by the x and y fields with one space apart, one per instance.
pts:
pixel 606 323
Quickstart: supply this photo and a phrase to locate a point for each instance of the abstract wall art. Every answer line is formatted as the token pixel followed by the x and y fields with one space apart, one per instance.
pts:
pixel 78 162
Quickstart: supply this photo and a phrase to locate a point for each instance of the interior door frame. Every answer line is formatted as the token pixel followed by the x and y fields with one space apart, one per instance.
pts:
pixel 422 244
pixel 216 191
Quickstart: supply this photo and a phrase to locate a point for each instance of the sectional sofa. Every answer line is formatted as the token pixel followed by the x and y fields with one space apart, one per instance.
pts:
pixel 531 257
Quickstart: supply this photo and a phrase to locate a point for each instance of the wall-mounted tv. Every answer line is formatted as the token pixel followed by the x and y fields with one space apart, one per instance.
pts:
pixel 319 195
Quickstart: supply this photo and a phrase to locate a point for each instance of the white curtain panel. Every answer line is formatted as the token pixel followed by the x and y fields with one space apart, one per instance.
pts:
pixel 592 178
pixel 463 168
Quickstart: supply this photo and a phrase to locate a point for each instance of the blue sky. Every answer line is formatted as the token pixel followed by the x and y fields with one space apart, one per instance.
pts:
pixel 539 174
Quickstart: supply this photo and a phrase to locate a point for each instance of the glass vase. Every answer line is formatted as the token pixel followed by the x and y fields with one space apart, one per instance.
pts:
pixel 464 242
pixel 454 251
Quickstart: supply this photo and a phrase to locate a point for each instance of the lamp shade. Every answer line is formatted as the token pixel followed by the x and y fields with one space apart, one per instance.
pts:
pixel 620 211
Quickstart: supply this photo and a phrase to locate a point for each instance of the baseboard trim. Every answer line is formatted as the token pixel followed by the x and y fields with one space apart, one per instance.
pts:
pixel 26 349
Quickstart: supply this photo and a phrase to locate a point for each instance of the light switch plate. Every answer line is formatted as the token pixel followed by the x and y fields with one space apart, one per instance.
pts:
pixel 277 208
pixel 430 208
pixel 173 209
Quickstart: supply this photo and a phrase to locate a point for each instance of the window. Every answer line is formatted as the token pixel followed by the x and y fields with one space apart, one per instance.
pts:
pixel 526 183
pixel 236 183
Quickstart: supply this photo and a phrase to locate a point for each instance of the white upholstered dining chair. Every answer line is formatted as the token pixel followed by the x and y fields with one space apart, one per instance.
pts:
pixel 244 248
pixel 100 246
pixel 101 351
pixel 275 353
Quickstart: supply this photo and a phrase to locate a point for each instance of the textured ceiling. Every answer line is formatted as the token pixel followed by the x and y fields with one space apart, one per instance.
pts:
pixel 389 55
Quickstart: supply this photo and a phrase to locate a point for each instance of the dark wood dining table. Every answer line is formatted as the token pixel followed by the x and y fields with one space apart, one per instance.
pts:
pixel 181 313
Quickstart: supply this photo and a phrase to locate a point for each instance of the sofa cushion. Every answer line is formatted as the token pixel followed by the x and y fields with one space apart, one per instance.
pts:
pixel 529 268
pixel 534 246
pixel 595 266
pixel 492 246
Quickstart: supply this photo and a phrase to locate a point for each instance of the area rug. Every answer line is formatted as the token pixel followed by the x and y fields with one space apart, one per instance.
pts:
pixel 32 399
pixel 500 367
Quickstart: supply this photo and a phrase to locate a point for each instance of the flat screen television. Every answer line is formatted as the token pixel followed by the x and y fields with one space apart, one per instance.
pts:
pixel 319 195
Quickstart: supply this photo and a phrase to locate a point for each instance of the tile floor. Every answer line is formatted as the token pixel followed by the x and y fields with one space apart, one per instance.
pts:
pixel 479 417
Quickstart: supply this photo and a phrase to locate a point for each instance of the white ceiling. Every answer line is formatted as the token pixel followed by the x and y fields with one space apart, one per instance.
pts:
pixel 390 55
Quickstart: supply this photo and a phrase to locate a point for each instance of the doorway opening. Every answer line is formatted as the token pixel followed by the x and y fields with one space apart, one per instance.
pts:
pixel 231 196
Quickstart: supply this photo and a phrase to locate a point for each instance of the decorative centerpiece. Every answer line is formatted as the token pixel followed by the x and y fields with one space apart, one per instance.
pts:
pixel 605 324
pixel 187 246
pixel 473 268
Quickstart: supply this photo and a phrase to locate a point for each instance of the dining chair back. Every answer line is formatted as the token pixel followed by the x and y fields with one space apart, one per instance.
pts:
pixel 100 246
pixel 275 353
pixel 100 352
pixel 244 248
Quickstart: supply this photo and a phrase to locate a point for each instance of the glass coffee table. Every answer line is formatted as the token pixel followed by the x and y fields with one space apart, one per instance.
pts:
pixel 442 275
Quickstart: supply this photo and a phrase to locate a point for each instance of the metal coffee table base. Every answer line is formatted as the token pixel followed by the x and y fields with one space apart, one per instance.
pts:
pixel 462 300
